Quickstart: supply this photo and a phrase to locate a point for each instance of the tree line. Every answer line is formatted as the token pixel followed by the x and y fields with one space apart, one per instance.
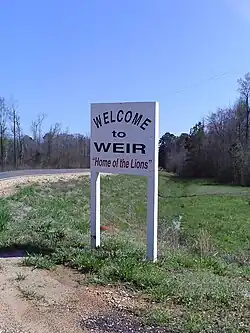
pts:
pixel 217 147
pixel 52 149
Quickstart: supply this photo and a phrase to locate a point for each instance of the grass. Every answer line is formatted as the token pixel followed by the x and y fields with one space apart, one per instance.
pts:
pixel 20 276
pixel 201 281
pixel 4 214
pixel 29 294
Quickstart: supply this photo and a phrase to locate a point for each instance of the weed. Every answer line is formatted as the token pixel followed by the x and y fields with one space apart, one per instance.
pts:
pixel 170 235
pixel 38 261
pixel 20 276
pixel 29 293
pixel 5 215
pixel 203 243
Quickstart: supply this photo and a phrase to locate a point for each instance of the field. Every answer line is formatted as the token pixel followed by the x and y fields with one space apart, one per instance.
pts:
pixel 201 282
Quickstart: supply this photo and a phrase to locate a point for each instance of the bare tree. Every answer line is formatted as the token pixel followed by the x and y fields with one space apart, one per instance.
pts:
pixel 48 141
pixel 19 140
pixel 13 116
pixel 56 149
pixel 36 128
pixel 3 130
pixel 244 90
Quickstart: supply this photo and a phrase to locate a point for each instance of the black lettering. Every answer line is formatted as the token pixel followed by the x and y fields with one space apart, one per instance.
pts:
pixel 96 161
pixel 137 119
pixel 117 146
pixel 139 146
pixel 129 114
pixel 135 164
pixel 102 163
pixel 118 116
pixel 111 117
pixel 124 163
pixel 121 134
pixel 106 118
pixel 145 123
pixel 98 121
pixel 102 147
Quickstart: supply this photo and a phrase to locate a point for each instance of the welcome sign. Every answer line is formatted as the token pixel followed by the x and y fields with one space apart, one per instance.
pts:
pixel 124 140
pixel 124 137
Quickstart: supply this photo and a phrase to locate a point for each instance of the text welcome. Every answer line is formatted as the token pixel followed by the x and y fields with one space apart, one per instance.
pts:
pixel 122 116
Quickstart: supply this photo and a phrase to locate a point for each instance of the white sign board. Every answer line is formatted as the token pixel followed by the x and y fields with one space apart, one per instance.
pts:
pixel 124 140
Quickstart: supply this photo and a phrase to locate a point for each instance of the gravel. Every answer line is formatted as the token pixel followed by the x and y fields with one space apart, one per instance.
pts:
pixel 7 330
pixel 117 322
pixel 8 185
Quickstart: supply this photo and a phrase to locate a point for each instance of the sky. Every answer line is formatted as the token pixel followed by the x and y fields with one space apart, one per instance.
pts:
pixel 58 56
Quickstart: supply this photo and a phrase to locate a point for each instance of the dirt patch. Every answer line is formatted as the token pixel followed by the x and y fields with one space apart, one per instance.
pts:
pixel 40 301
pixel 34 300
pixel 9 186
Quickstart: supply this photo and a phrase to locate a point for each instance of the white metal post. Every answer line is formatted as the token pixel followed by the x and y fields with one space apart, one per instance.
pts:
pixel 152 216
pixel 95 209
pixel 152 207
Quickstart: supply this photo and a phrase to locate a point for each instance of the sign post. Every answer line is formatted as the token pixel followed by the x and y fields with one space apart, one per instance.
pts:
pixel 124 140
pixel 95 209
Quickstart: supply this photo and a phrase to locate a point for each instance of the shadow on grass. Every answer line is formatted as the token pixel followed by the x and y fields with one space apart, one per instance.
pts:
pixel 22 250
pixel 178 179
pixel 199 181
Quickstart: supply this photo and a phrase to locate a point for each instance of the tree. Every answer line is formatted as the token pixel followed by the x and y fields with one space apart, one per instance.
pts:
pixel 244 90
pixel 15 124
pixel 3 130
pixel 36 128
pixel 165 146
pixel 48 141
pixel 194 162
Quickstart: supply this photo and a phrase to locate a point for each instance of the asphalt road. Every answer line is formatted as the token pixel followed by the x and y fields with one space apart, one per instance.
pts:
pixel 36 172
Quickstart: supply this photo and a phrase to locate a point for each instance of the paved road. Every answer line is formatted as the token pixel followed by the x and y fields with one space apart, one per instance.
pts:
pixel 20 173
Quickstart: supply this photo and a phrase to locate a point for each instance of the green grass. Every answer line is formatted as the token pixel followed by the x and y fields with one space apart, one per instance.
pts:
pixel 4 214
pixel 201 280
